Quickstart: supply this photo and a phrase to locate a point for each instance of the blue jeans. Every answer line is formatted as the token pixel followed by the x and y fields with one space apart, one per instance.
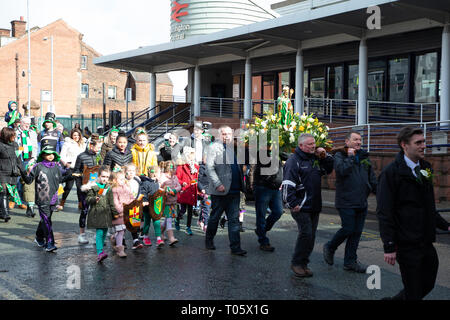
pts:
pixel 230 204
pixel 307 226
pixel 264 198
pixel 352 227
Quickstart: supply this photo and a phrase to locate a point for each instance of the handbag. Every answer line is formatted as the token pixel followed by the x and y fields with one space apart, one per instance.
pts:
pixel 188 195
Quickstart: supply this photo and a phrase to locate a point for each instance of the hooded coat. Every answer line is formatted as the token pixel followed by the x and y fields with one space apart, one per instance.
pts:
pixel 12 114
pixel 101 213
pixel 143 158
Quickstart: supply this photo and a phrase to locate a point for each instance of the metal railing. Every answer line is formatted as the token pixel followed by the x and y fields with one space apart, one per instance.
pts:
pixel 382 137
pixel 177 120
pixel 341 111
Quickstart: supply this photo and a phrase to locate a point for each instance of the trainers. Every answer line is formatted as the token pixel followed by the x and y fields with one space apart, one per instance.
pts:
pixel 189 231
pixel 356 267
pixel 137 245
pixel 40 244
pixel 102 256
pixel 328 255
pixel 82 239
pixel 174 242
pixel 147 241
pixel 159 243
pixel 51 247
pixel 267 247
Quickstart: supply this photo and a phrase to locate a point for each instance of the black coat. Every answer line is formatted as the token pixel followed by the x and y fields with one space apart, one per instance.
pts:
pixel 354 180
pixel 9 162
pixel 405 208
pixel 115 157
pixel 203 180
pixel 86 158
pixel 302 180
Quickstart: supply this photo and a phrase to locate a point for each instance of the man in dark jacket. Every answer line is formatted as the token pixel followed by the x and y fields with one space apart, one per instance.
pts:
pixel 302 194
pixel 407 216
pixel 265 183
pixel 355 180
pixel 86 159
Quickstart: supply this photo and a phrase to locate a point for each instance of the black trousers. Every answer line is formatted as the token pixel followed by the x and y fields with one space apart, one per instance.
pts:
pixel 418 267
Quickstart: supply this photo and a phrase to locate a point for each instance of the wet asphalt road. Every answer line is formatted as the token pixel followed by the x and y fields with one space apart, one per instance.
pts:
pixel 188 271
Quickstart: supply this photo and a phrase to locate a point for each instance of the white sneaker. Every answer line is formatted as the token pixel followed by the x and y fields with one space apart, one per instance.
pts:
pixel 82 239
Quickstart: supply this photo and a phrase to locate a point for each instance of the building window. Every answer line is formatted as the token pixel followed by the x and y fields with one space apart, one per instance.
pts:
pixel 335 77
pixel 84 91
pixel 398 79
pixel 376 80
pixel 425 79
pixel 283 80
pixel 84 60
pixel 112 92
pixel 353 81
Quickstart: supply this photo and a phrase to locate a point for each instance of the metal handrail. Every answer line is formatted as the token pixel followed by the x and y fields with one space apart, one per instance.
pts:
pixel 126 122
pixel 166 123
pixel 146 122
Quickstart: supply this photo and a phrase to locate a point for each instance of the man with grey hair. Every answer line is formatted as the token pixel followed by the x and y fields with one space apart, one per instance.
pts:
pixel 302 194
pixel 28 146
pixel 225 184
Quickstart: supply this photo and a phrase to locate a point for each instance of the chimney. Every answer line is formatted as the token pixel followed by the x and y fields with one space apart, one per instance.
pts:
pixel 18 28
pixel 5 33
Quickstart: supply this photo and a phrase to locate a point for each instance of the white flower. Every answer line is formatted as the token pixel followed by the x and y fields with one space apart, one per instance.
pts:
pixel 322 136
pixel 291 129
pixel 293 124
pixel 311 120
pixel 424 173
pixel 303 117
pixel 292 138
pixel 264 124
pixel 328 128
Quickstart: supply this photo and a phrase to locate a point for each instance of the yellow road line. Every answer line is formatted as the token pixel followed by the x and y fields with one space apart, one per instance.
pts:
pixel 24 288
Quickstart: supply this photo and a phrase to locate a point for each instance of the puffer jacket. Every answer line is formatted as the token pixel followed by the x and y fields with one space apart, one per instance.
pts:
pixel 355 180
pixel 86 158
pixel 115 157
pixel 143 158
pixel 101 213
pixel 122 195
pixel 302 180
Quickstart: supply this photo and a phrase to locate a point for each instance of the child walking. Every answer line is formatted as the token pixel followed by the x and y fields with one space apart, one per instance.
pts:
pixel 149 187
pixel 134 184
pixel 122 195
pixel 187 174
pixel 204 199
pixel 48 174
pixel 101 209
pixel 172 187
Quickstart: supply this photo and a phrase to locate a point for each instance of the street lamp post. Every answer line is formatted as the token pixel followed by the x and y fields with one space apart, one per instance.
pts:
pixel 51 41
pixel 29 60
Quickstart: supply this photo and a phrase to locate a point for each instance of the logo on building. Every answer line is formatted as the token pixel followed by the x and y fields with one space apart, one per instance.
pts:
pixel 176 11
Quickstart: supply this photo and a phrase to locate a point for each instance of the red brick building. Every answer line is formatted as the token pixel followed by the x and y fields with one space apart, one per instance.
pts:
pixel 77 82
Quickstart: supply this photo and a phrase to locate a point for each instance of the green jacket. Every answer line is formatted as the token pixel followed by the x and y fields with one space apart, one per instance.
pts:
pixel 100 213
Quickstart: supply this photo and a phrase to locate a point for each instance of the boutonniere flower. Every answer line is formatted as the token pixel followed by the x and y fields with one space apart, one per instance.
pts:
pixel 428 175
pixel 366 163
pixel 316 164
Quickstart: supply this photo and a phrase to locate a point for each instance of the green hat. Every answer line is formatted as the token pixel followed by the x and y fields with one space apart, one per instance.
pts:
pixel 50 117
pixel 48 148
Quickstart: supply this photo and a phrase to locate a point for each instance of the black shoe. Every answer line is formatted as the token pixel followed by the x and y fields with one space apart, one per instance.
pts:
pixel 222 222
pixel 328 255
pixel 267 247
pixel 30 212
pixel 241 228
pixel 209 245
pixel 239 252
pixel 355 267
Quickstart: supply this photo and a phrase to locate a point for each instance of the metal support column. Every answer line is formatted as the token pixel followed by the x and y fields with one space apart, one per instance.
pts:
pixel 363 79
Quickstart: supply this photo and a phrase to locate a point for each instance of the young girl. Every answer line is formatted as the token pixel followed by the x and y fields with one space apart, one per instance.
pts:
pixel 172 187
pixel 122 195
pixel 120 155
pixel 143 153
pixel 48 175
pixel 101 208
pixel 187 174
pixel 148 187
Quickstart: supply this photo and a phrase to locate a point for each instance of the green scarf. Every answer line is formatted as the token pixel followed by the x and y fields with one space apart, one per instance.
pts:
pixel 27 148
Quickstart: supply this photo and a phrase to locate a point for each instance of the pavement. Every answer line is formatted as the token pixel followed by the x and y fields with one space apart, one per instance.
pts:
pixel 188 271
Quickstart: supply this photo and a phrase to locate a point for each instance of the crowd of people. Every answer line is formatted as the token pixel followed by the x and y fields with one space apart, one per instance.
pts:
pixel 203 177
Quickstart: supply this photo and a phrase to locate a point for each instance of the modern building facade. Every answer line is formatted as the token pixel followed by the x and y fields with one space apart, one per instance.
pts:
pixel 326 49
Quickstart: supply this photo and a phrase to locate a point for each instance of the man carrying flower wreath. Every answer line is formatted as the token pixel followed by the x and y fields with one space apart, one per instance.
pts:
pixel 407 216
